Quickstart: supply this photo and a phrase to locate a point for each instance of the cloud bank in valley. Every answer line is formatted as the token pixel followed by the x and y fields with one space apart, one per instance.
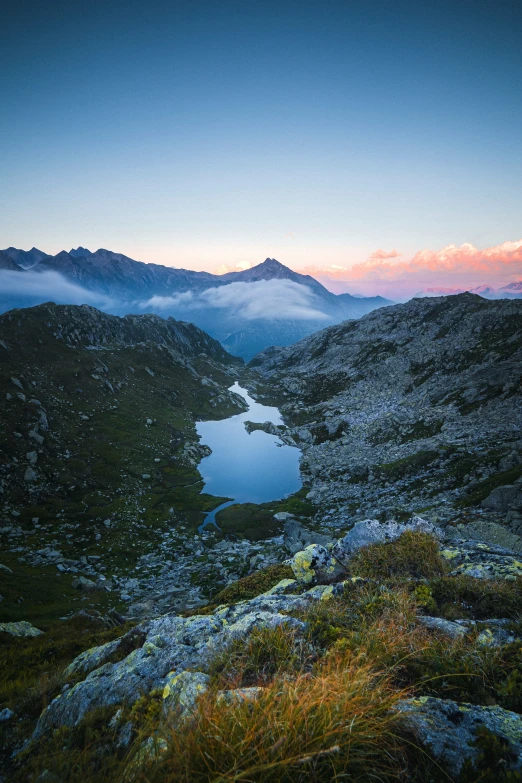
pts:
pixel 452 267
pixel 263 299
pixel 32 288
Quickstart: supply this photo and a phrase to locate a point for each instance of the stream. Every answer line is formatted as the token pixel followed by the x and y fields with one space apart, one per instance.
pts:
pixel 249 468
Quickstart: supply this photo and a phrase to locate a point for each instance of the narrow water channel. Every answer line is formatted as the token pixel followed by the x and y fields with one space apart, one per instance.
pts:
pixel 248 468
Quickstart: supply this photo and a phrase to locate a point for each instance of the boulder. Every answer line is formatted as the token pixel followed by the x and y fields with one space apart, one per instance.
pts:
pixel 239 695
pixel 82 583
pixel 23 629
pixel 315 565
pixel 503 498
pixel 447 627
pixel 482 561
pixel 298 537
pixel 150 752
pixel 449 730
pixel 370 531
pixel 488 533
pixel 283 516
pixel 181 692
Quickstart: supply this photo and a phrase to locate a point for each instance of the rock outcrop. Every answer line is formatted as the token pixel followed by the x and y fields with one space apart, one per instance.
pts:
pixel 450 731
pixel 412 407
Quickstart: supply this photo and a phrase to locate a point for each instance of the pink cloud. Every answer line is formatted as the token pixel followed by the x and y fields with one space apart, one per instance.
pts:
pixel 463 267
pixel 383 254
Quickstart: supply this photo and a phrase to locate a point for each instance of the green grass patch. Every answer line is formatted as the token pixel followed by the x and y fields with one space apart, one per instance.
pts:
pixel 394 471
pixel 483 488
pixel 460 597
pixel 253 585
pixel 413 555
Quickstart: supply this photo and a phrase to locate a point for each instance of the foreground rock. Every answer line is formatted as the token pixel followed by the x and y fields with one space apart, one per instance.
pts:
pixel 482 561
pixel 449 731
pixel 159 650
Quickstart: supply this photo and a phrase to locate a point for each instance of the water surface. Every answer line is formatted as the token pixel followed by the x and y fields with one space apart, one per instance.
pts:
pixel 249 468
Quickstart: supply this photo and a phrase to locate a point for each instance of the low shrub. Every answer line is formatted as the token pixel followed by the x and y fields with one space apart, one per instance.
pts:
pixel 414 554
pixel 463 596
pixel 253 585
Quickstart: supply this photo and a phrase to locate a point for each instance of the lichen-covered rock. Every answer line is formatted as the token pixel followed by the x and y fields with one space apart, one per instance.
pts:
pixel 22 629
pixel 282 587
pixel 322 592
pixel 447 627
pixel 490 633
pixel 488 533
pixel 181 692
pixel 370 531
pixel 238 695
pixel 315 565
pixel 92 658
pixel 164 645
pixel 149 753
pixel 482 561
pixel 449 730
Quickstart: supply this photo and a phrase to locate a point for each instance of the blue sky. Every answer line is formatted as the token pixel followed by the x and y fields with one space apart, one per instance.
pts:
pixel 204 134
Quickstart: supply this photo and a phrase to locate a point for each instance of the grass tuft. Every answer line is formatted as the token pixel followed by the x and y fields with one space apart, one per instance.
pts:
pixel 340 722
pixel 413 554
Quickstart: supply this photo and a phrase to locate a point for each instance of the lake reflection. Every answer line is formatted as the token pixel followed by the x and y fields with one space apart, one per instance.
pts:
pixel 254 468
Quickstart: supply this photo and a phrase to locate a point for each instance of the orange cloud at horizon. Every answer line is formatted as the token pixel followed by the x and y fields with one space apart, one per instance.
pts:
pixel 464 266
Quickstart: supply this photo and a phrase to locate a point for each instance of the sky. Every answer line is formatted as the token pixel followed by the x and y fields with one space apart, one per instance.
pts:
pixel 371 144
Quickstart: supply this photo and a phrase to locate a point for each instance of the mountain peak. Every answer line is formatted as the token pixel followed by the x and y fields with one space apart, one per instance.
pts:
pixel 272 262
pixel 79 252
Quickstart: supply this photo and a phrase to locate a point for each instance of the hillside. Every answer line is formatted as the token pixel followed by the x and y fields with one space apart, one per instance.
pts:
pixel 413 408
pixel 98 452
pixel 246 311
pixel 375 643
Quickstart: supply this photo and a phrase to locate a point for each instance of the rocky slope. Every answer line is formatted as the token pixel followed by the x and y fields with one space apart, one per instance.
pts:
pixel 98 453
pixel 303 652
pixel 390 643
pixel 413 408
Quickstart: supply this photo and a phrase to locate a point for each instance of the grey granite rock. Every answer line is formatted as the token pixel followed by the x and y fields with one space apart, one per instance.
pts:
pixel 449 730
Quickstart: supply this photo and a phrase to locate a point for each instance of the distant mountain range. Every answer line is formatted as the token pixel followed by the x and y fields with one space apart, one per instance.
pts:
pixel 510 291
pixel 246 311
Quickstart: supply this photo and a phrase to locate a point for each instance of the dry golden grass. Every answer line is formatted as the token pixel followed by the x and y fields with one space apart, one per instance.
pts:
pixel 338 723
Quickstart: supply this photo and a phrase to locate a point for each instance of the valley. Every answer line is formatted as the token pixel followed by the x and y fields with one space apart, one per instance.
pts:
pixel 101 497
pixel 268 304
pixel 407 427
